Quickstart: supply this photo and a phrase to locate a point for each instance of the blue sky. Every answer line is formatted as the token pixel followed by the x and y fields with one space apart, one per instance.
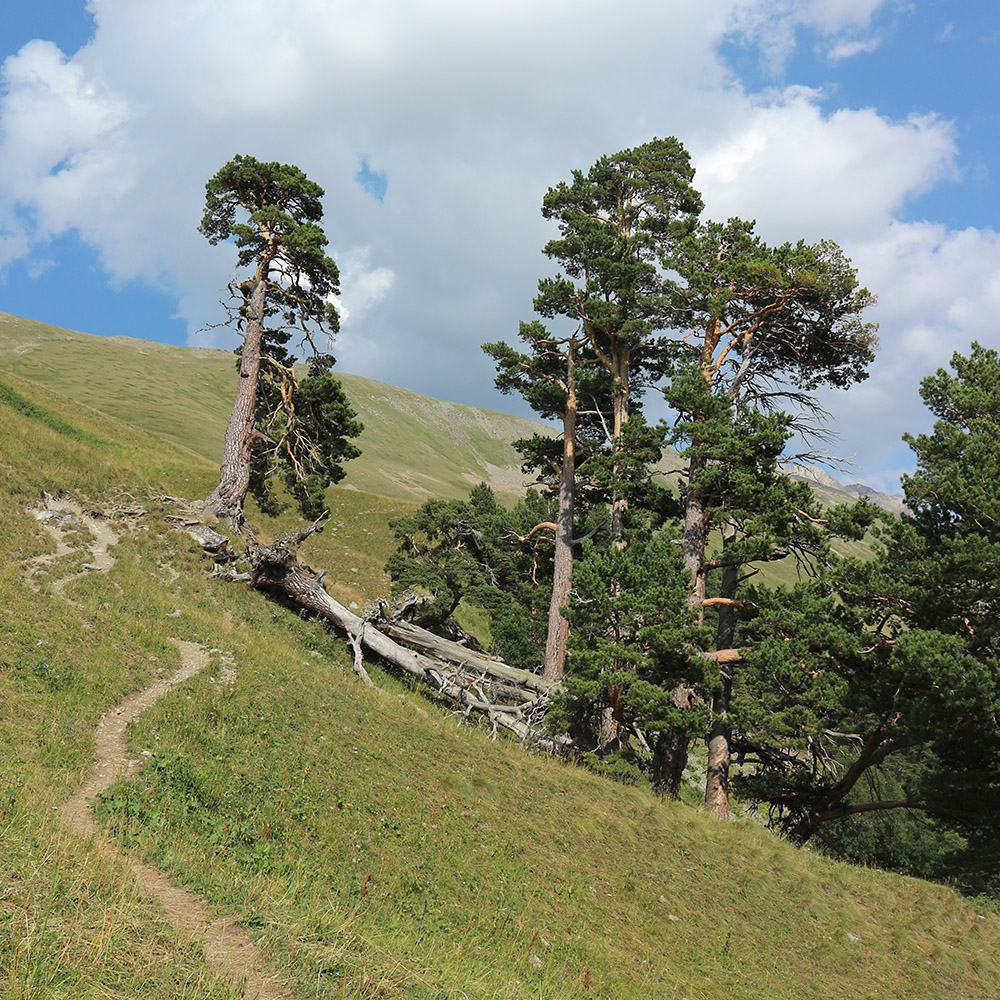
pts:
pixel 435 128
pixel 69 25
pixel 64 282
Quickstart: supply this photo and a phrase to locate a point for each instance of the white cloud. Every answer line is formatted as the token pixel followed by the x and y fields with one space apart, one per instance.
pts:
pixel 58 133
pixel 939 290
pixel 773 25
pixel 361 284
pixel 831 16
pixel 52 109
pixel 846 48
pixel 803 173
pixel 472 111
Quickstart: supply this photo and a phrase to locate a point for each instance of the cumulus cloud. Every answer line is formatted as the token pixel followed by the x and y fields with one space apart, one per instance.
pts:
pixel 804 173
pixel 361 284
pixel 59 131
pixel 847 48
pixel 471 111
pixel 939 290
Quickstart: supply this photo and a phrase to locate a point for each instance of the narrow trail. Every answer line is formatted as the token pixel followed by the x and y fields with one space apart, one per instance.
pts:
pixel 227 947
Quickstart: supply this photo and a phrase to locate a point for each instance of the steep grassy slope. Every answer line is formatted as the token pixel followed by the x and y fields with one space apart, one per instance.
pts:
pixel 71 923
pixel 414 447
pixel 373 844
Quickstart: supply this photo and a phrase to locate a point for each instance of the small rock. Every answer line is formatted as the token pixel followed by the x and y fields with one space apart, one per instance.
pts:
pixel 853 937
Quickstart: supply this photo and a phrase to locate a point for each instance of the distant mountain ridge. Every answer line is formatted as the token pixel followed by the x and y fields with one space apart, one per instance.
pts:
pixel 892 502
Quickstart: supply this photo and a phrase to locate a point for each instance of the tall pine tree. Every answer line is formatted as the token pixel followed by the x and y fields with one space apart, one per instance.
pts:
pixel 764 326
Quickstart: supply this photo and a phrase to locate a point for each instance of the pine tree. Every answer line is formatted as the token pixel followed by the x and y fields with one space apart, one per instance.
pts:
pixel 279 419
pixel 616 222
pixel 454 550
pixel 895 658
pixel 632 641
pixel 765 326
pixel 557 377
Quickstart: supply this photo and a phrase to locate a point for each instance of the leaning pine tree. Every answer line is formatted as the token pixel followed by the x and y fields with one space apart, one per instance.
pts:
pixel 281 421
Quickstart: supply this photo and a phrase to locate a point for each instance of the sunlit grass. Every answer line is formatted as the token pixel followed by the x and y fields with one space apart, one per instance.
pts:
pixel 360 829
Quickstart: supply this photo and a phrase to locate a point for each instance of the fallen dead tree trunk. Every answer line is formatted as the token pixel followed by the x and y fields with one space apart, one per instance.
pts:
pixel 276 567
pixel 461 656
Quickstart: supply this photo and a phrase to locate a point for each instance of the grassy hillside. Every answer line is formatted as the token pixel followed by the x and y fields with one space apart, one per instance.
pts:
pixel 372 843
pixel 414 447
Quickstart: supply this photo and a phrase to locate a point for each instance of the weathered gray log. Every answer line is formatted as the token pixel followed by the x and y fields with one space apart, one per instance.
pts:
pixel 453 652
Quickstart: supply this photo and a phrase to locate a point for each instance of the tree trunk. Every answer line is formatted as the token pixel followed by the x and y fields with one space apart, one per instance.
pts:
pixel 609 731
pixel 695 538
pixel 527 684
pixel 619 501
pixel 670 755
pixel 719 748
pixel 275 567
pixel 608 734
pixel 558 633
pixel 226 500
